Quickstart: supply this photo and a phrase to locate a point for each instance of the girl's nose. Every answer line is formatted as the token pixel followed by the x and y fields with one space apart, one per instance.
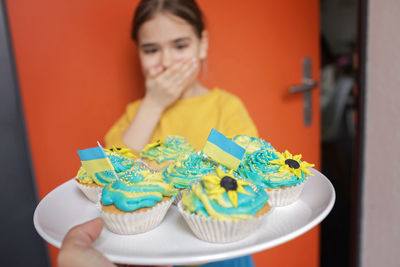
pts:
pixel 166 58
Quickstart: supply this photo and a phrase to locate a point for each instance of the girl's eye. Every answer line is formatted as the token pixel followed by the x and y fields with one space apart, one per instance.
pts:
pixel 181 46
pixel 150 50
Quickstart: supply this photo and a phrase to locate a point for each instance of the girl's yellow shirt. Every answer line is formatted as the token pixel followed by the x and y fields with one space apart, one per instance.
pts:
pixel 193 119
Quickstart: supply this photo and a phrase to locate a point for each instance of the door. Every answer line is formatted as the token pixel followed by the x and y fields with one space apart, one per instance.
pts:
pixel 70 53
pixel 256 51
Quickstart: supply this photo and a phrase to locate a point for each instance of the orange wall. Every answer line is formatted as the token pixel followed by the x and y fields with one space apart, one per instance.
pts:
pixel 78 69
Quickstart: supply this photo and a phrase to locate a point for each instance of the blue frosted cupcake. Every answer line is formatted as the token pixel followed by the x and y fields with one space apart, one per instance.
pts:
pixel 286 182
pixel 135 203
pixel 281 174
pixel 222 207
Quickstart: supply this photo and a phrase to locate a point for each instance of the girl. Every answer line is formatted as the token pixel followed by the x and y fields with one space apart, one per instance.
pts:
pixel 172 44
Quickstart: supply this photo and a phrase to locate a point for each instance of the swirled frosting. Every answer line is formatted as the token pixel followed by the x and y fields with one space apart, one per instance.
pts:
pixel 137 189
pixel 291 171
pixel 188 167
pixel 282 179
pixel 251 144
pixel 256 166
pixel 168 149
pixel 222 196
pixel 272 169
pixel 120 163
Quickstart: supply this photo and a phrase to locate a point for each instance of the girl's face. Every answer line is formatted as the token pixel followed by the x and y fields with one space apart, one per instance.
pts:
pixel 166 39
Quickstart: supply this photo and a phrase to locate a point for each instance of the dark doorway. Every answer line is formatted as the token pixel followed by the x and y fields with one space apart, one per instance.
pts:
pixel 20 244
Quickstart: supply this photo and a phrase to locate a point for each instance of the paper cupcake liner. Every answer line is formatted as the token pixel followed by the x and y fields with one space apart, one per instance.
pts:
pixel 178 197
pixel 285 196
pixel 154 166
pixel 137 222
pixel 215 231
pixel 143 163
pixel 91 192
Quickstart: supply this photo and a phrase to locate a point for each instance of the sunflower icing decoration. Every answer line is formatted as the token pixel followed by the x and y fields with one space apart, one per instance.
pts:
pixel 292 163
pixel 151 145
pixel 122 151
pixel 226 182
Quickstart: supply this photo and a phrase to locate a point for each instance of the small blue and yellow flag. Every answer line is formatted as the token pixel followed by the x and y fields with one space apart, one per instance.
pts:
pixel 95 160
pixel 223 150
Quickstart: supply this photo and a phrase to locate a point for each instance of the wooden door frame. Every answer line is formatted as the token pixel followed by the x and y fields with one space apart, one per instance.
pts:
pixel 358 161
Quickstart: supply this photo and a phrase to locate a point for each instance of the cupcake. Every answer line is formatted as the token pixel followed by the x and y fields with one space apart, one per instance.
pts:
pixel 160 154
pixel 87 185
pixel 91 185
pixel 222 208
pixel 251 144
pixel 281 175
pixel 188 167
pixel 135 203
pixel 285 185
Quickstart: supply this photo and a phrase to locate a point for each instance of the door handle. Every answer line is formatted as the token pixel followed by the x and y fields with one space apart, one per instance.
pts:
pixel 308 84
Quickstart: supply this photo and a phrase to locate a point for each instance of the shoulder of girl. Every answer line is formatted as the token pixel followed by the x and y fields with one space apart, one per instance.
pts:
pixel 227 96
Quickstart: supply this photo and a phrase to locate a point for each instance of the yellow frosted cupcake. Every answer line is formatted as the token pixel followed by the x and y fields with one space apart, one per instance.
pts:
pixel 222 207
pixel 91 185
pixel 251 144
pixel 162 153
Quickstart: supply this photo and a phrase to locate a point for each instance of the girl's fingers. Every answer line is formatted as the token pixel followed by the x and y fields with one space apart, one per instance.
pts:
pixel 175 68
pixel 187 75
pixel 167 79
pixel 184 72
pixel 166 87
pixel 182 81
pixel 155 71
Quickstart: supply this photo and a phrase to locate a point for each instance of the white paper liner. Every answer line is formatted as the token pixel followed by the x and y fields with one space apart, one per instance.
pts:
pixel 91 192
pixel 178 197
pixel 137 222
pixel 160 168
pixel 215 231
pixel 285 196
pixel 146 165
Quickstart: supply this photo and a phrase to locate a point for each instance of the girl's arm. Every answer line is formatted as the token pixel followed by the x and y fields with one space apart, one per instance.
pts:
pixel 141 129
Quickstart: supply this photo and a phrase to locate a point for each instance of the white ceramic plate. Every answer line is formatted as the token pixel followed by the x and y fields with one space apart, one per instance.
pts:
pixel 173 242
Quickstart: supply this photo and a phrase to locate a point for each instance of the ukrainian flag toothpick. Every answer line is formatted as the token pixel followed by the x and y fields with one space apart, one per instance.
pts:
pixel 95 160
pixel 223 150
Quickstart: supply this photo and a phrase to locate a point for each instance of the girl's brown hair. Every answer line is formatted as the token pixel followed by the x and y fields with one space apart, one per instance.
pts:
pixel 187 10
